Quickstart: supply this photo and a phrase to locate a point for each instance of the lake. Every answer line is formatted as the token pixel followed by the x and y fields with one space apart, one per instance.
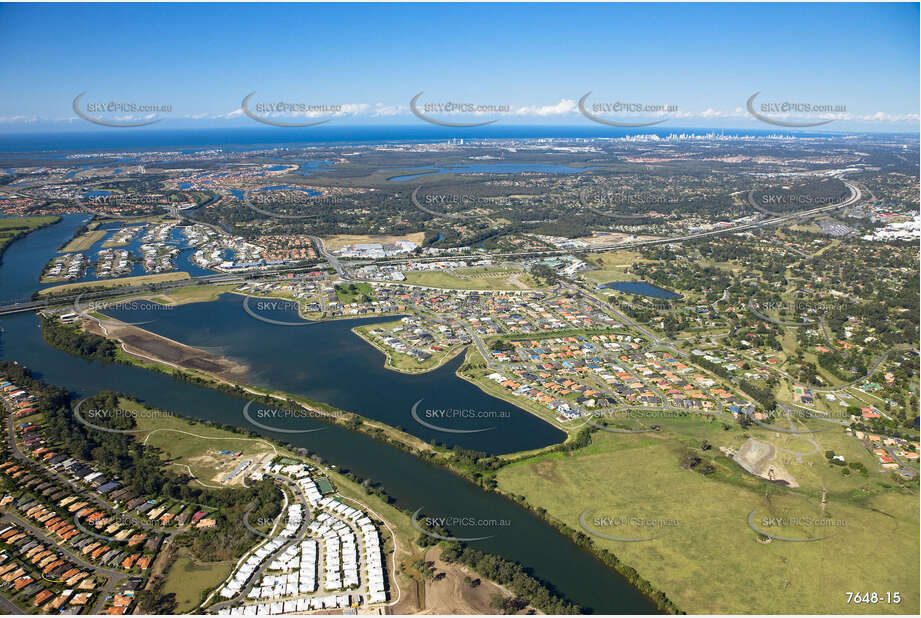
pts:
pixel 641 288
pixel 326 362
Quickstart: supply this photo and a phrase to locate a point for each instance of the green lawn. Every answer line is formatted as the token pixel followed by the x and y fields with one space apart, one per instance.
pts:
pixel 196 445
pixel 612 266
pixel 353 292
pixel 22 223
pixel 187 578
pixel 193 294
pixel 711 561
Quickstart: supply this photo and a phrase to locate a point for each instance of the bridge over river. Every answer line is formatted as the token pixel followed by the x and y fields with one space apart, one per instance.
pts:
pixel 42 302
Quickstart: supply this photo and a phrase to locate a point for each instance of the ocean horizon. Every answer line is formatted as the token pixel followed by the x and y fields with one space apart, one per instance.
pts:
pixel 247 138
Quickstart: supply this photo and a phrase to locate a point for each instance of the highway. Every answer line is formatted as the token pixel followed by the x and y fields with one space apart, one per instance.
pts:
pixel 333 261
pixel 342 269
pixel 855 196
pixel 22 305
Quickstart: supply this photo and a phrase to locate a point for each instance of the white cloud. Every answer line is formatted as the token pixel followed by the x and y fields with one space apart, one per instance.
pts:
pixel 565 106
pixel 135 118
pixel 19 119
pixel 886 117
pixel 354 109
pixel 389 110
pixel 234 114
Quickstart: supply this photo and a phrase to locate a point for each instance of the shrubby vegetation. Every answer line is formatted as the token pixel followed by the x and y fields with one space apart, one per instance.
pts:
pixel 140 467
pixel 72 340
pixel 511 575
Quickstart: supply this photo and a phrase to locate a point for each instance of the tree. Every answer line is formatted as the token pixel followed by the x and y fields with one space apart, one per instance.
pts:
pixel 545 274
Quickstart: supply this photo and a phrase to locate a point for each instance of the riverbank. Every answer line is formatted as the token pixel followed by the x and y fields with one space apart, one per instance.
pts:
pixel 474 370
pixel 149 346
pixel 409 478
pixel 115 283
pixel 196 365
pixel 191 453
pixel 466 463
pixel 647 469
pixel 477 469
pixel 85 240
pixel 14 228
pixel 202 450
pixel 681 503
pixel 402 362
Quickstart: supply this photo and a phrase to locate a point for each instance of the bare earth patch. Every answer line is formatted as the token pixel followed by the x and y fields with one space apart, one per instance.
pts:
pixel 147 345
pixel 334 243
pixel 546 470
pixel 757 457
pixel 450 594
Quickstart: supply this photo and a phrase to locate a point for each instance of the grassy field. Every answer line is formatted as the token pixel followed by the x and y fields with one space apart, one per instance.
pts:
pixel 348 294
pixel 11 227
pixel 178 296
pixel 485 271
pixel 334 243
pixel 711 561
pixel 185 443
pixel 811 228
pixel 113 283
pixel 612 266
pixel 447 280
pixel 84 241
pixel 15 224
pixel 192 294
pixel 187 578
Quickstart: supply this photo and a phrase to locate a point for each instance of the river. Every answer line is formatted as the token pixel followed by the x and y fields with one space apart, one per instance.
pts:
pixel 548 555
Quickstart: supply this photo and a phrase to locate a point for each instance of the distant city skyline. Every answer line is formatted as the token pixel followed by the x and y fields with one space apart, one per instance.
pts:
pixel 678 66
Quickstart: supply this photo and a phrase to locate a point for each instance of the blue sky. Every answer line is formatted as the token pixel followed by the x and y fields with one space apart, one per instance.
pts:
pixel 537 59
